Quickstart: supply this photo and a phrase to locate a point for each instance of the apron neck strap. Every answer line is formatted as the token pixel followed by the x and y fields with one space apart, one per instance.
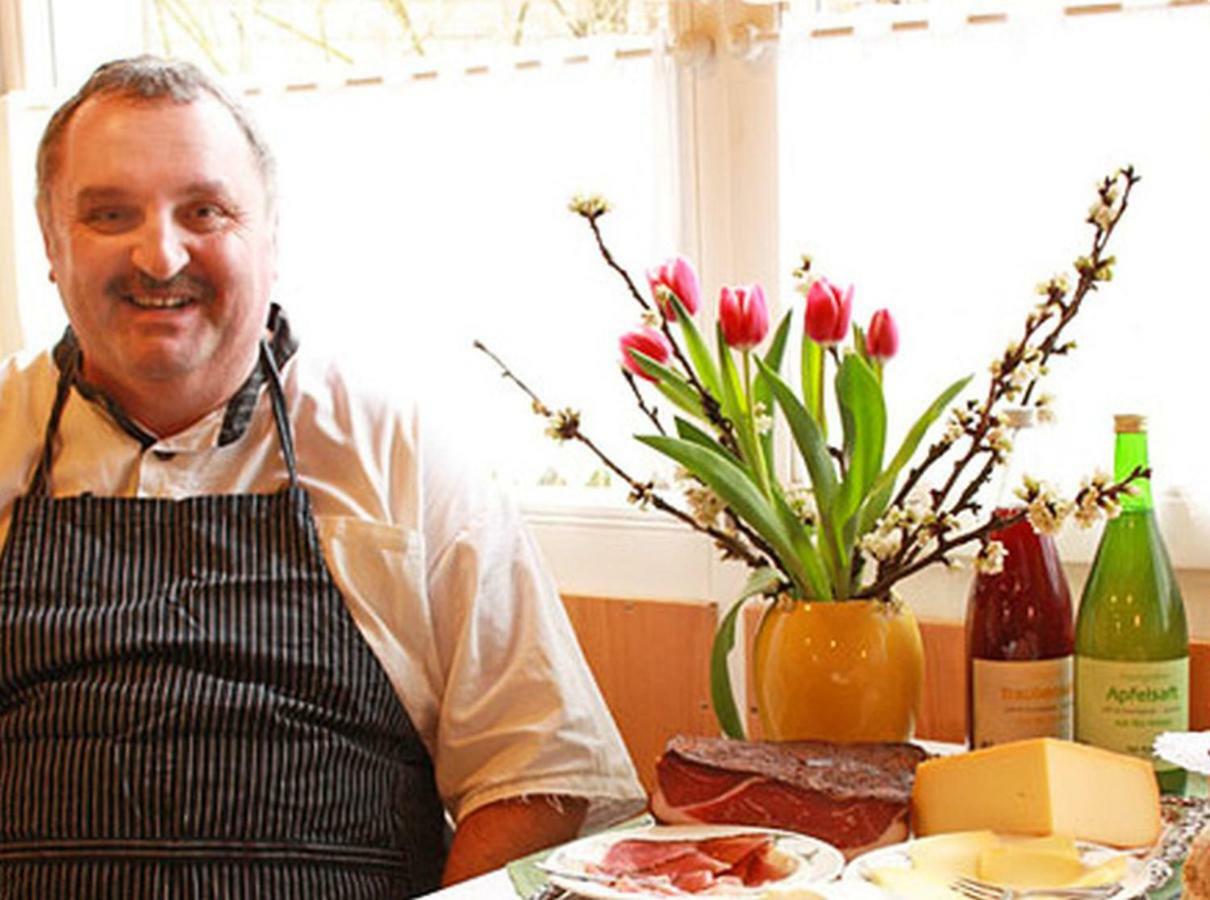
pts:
pixel 40 483
pixel 278 397
pixel 39 486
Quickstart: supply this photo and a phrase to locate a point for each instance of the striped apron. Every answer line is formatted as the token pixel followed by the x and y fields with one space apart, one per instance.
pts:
pixel 187 708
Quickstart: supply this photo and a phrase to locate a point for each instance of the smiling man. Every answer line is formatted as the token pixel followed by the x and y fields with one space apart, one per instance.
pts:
pixel 260 634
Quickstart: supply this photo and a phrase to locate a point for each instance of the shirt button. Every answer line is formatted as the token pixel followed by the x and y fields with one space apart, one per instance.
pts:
pixel 163 455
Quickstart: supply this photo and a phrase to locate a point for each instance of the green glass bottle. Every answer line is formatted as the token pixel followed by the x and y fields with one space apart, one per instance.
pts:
pixel 1132 643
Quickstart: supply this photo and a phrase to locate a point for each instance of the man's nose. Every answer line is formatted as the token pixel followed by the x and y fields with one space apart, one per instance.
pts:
pixel 160 248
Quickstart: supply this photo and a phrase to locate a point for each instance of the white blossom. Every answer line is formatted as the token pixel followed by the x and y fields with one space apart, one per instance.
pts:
pixel 882 545
pixel 1044 406
pixel 990 559
pixel 761 420
pixel 704 505
pixel 1093 500
pixel 802 500
pixel 590 205
pixel 1101 213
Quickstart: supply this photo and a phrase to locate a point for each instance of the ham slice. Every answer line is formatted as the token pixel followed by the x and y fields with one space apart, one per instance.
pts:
pixel 708 866
pixel 854 796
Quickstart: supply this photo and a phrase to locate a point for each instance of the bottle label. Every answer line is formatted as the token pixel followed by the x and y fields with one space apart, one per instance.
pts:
pixel 1122 706
pixel 1014 700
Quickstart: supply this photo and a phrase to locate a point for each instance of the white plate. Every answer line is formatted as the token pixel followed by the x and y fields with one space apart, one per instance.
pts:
pixel 1134 884
pixel 817 860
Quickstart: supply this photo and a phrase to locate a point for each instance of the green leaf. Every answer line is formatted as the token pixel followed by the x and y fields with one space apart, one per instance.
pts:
pixel 820 468
pixel 812 381
pixel 736 488
pixel 859 343
pixel 880 493
pixel 761 392
pixel 808 437
pixel 800 538
pixel 688 431
pixel 722 698
pixel 671 384
pixel 735 405
pixel 863 413
pixel 699 353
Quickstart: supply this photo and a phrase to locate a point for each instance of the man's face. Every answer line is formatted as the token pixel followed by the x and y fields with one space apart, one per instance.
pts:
pixel 161 243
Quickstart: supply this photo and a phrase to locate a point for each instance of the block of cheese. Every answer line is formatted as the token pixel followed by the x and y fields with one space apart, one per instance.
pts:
pixel 1040 786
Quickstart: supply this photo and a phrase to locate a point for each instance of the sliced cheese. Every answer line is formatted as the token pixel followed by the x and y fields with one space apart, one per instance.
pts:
pixel 951 855
pixel 1040 786
pixel 1113 870
pixel 911 884
pixel 1022 867
pixel 1052 843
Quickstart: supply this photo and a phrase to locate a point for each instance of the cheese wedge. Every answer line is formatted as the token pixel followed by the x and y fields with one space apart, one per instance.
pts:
pixel 1040 786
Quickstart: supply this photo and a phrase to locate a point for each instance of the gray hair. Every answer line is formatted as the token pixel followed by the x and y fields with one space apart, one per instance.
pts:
pixel 147 78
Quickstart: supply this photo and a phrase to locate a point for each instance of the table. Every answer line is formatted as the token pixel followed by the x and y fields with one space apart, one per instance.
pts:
pixel 492 886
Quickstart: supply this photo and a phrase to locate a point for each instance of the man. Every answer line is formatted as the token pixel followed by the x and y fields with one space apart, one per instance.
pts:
pixel 256 632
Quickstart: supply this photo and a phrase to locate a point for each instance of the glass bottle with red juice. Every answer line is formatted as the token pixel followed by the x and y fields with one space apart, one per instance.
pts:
pixel 1019 622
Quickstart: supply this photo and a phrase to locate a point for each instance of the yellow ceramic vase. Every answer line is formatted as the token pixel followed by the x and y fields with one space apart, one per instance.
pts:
pixel 842 671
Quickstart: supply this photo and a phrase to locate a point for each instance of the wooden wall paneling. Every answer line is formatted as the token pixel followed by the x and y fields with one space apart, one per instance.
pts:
pixel 651 659
pixel 750 619
pixel 1199 685
pixel 943 708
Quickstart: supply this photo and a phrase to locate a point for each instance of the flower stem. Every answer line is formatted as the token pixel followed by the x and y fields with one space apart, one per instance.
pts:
pixel 759 464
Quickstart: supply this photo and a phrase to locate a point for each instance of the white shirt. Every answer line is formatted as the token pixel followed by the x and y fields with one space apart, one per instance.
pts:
pixel 447 587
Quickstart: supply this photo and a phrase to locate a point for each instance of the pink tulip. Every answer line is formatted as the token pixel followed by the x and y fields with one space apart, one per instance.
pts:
pixel 676 275
pixel 882 338
pixel 650 343
pixel 744 315
pixel 828 312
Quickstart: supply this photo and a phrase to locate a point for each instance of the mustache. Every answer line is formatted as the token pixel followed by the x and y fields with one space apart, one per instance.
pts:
pixel 183 284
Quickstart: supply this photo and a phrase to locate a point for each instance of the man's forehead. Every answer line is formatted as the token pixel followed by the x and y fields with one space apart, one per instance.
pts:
pixel 105 126
pixel 108 115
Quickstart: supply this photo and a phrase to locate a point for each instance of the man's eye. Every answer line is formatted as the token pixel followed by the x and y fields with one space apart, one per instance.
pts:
pixel 206 215
pixel 108 218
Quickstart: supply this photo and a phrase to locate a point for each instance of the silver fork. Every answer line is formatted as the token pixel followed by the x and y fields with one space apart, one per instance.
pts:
pixel 981 890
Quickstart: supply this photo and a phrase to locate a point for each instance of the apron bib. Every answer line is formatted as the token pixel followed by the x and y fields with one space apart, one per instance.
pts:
pixel 187 708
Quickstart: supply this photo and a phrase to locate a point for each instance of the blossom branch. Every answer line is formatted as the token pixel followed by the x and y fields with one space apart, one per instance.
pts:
pixel 591 209
pixel 565 426
pixel 1024 363
pixel 648 411
pixel 1041 508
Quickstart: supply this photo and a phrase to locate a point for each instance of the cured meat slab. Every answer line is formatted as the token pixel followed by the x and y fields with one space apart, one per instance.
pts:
pixel 854 796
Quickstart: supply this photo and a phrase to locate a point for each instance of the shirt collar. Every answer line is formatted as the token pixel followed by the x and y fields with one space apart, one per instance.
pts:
pixel 282 344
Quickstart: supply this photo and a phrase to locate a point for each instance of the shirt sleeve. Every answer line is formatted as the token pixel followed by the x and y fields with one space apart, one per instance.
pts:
pixel 519 712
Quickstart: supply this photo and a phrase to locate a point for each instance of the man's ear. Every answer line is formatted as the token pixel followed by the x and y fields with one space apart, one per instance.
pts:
pixel 48 246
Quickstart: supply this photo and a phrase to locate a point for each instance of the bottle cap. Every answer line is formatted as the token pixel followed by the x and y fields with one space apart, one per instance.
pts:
pixel 1018 416
pixel 1129 423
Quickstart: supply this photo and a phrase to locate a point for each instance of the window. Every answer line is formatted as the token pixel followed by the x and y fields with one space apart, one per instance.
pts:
pixel 946 170
pixel 939 155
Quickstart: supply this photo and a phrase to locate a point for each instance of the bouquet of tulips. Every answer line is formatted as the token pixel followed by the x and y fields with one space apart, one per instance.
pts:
pixel 865 519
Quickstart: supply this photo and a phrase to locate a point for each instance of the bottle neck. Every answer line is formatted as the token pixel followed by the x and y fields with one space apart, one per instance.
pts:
pixel 1020 463
pixel 1130 451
